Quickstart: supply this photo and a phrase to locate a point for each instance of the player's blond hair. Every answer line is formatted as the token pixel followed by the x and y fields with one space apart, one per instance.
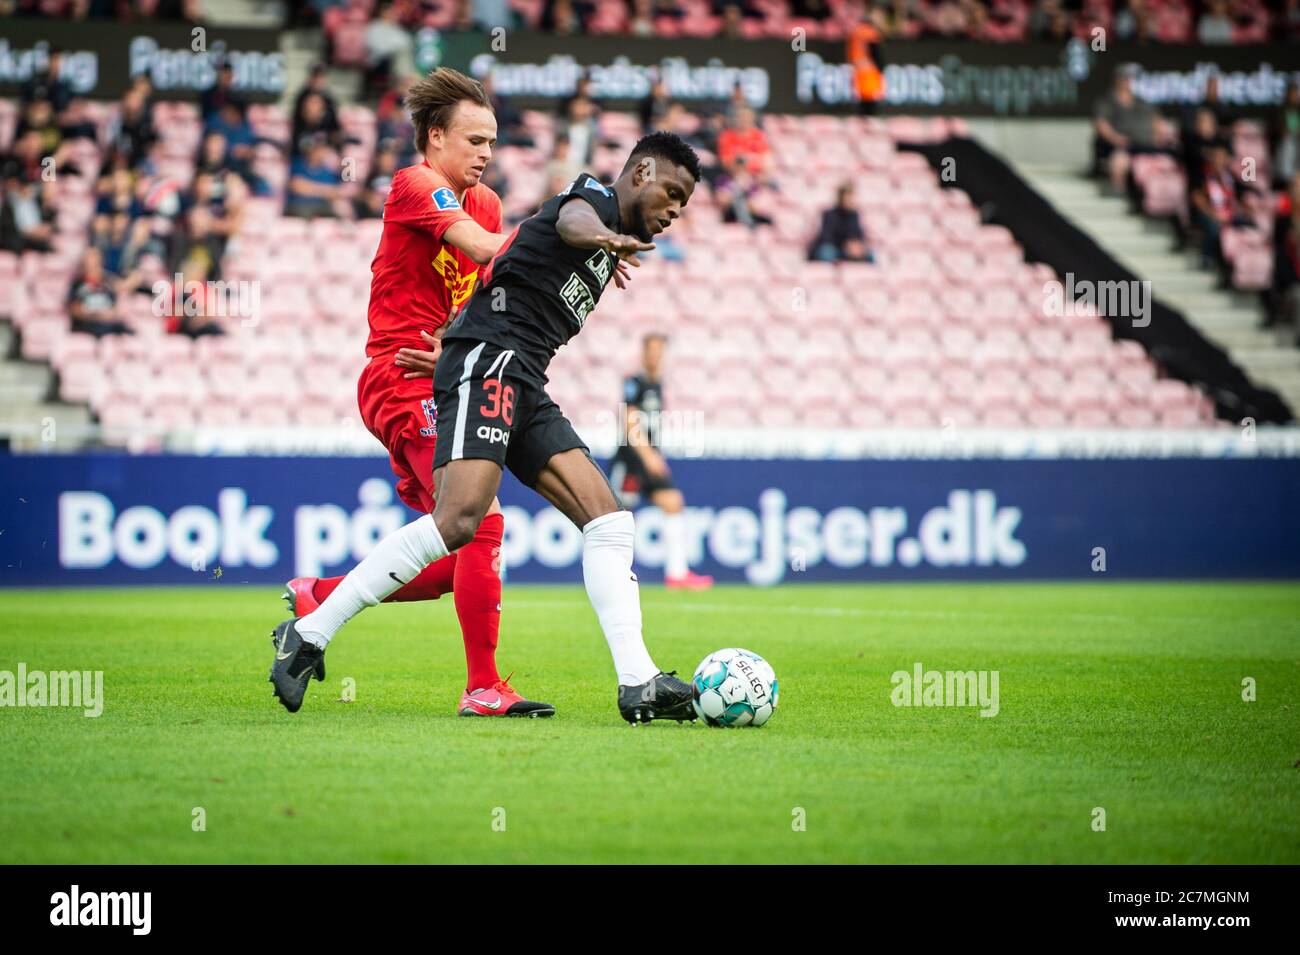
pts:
pixel 432 101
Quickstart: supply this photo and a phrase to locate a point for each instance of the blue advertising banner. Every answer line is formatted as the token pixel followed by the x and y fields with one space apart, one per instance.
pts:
pixel 112 519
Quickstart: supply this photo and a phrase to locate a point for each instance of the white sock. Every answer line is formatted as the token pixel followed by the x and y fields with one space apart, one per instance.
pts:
pixel 675 564
pixel 395 560
pixel 612 590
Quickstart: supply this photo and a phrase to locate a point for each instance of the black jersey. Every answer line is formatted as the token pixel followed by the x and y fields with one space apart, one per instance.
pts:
pixel 647 396
pixel 538 290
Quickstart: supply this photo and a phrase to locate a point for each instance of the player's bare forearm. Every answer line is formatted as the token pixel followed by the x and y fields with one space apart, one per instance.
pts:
pixel 580 227
pixel 474 240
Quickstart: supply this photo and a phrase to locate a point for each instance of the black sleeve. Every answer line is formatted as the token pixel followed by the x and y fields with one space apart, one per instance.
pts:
pixel 600 197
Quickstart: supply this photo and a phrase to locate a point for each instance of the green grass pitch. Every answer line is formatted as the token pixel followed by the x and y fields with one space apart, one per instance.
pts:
pixel 1126 697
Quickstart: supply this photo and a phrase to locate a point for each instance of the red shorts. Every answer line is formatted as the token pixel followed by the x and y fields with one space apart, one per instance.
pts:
pixel 401 414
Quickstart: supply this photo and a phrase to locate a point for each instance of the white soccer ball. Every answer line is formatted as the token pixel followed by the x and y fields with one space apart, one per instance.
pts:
pixel 734 687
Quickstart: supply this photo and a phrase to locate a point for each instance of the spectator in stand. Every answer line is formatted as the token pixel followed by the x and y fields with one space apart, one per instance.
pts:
pixel 655 104
pixel 700 134
pixel 1125 126
pixel 92 298
pixel 818 10
pixel 1197 142
pixel 492 13
pixel 117 196
pixel 229 143
pixel 1284 137
pixel 948 19
pixel 196 309
pixel 496 180
pixel 26 223
pixel 564 17
pixel 1133 22
pixel 314 110
pixel 389 49
pixel 212 212
pixel 394 122
pixel 370 204
pixel 232 123
pixel 1216 204
pixel 1283 299
pixel 143 250
pixel 841 237
pixel 1212 101
pixel 212 152
pixel 641 18
pixel 579 127
pixel 511 130
pixel 28 157
pixel 116 208
pixel 131 133
pixel 900 22
pixel 216 96
pixel 314 119
pixel 561 169
pixel 1215 26
pixel 733 22
pixel 744 155
pixel 38 120
pixel 862 51
pixel 49 86
pixel 112 243
pixel 315 186
pixel 743 145
pixel 1049 21
pixel 1286 25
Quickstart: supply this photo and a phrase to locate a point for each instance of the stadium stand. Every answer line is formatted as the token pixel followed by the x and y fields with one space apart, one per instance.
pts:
pixel 999 21
pixel 947 326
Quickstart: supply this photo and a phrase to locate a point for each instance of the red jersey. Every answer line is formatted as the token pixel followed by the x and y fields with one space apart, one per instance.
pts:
pixel 415 277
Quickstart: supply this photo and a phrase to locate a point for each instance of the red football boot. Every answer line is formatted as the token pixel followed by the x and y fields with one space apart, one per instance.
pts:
pixel 299 595
pixel 689 581
pixel 501 700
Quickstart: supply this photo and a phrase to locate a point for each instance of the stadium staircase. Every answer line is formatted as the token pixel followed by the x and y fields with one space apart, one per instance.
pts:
pixel 28 412
pixel 1145 246
pixel 244 13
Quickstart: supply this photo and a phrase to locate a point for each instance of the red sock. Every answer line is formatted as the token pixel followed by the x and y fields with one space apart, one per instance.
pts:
pixel 429 584
pixel 478 600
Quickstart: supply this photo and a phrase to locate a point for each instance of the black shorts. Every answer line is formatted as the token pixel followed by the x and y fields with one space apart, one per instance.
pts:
pixel 488 410
pixel 628 475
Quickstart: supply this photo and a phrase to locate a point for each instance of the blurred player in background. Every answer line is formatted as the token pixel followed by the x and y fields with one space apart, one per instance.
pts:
pixel 440 224
pixel 536 295
pixel 639 468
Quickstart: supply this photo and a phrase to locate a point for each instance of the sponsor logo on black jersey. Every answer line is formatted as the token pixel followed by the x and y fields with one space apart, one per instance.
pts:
pixel 600 264
pixel 577 296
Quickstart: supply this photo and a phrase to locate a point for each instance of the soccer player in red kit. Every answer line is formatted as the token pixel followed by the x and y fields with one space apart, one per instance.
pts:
pixel 440 224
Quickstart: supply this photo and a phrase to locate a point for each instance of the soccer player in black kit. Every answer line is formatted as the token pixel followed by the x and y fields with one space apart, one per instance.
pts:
pixel 639 466
pixel 494 413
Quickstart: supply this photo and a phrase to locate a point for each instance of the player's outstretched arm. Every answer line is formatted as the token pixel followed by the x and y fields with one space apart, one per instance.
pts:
pixel 579 226
pixel 474 240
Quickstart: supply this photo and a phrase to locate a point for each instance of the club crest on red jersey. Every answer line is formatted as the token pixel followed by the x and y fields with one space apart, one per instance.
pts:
pixel 430 415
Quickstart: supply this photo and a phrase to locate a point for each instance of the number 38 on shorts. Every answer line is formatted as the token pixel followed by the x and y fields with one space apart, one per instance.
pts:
pixel 488 408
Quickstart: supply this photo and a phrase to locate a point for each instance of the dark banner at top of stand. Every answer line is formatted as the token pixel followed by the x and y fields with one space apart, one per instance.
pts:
pixel 99 60
pixel 921 77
